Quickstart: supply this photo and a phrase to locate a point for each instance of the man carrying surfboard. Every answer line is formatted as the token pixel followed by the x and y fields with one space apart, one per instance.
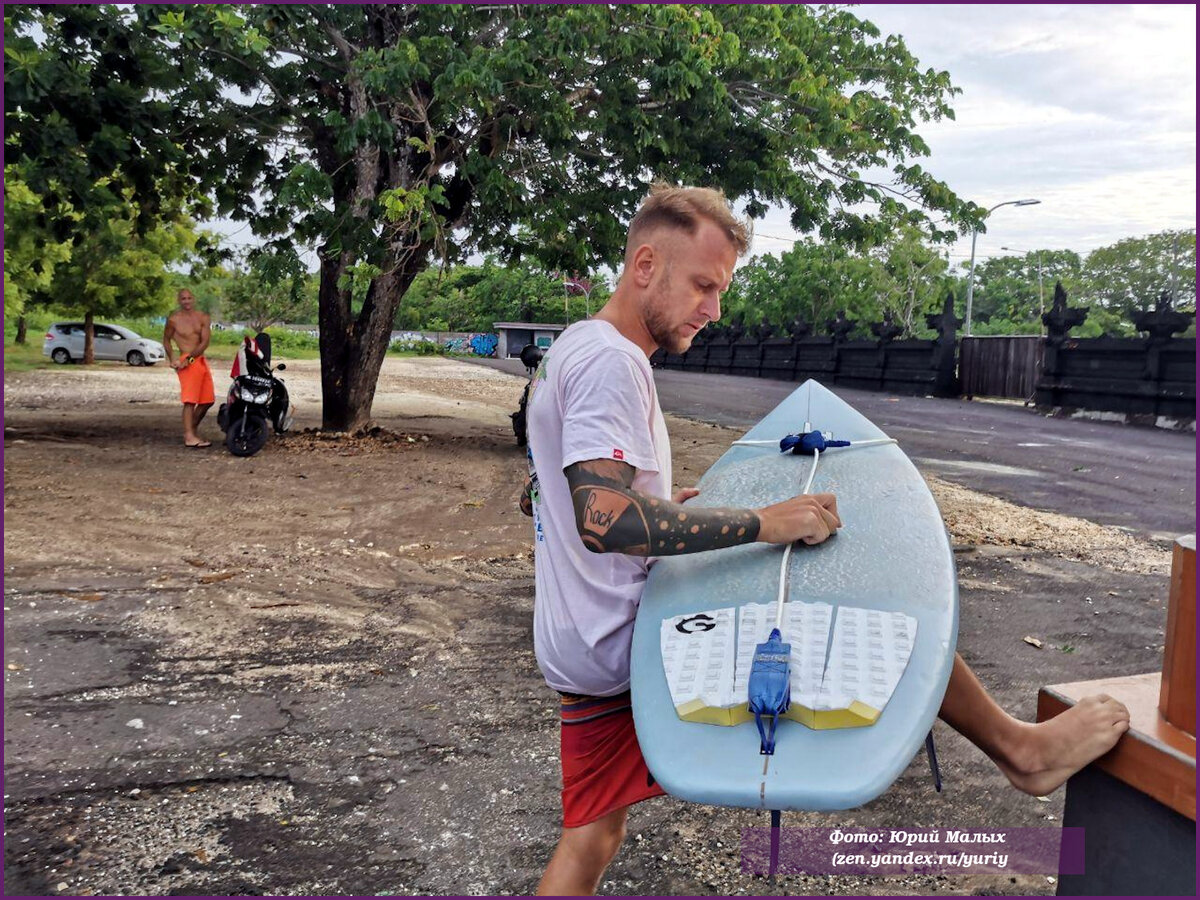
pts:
pixel 600 494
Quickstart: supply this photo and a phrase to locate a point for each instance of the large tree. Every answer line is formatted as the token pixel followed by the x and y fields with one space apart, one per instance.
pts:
pixel 1131 274
pixel 387 136
pixel 92 131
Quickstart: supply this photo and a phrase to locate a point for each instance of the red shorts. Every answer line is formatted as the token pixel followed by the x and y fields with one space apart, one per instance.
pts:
pixel 196 382
pixel 602 765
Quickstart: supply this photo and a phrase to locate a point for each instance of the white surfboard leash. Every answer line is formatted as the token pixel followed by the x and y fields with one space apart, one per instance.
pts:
pixel 812 474
pixel 787 551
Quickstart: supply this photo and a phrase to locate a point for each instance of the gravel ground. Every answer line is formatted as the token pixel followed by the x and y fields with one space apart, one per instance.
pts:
pixel 311 672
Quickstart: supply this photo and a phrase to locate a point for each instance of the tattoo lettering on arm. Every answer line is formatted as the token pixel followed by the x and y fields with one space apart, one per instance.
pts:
pixel 614 518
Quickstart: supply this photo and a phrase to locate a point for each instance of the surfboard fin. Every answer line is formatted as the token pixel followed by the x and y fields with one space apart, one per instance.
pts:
pixel 769 687
pixel 931 752
pixel 773 866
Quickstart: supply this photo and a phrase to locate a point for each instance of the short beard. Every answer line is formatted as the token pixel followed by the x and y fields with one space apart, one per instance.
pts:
pixel 657 324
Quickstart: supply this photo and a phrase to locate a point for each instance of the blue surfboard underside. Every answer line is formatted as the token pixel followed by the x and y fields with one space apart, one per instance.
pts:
pixel 892 553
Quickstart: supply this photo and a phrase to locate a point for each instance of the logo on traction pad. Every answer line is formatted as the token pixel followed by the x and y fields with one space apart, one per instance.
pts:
pixel 618 454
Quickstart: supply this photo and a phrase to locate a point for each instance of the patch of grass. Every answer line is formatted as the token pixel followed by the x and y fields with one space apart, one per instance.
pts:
pixel 25 358
pixel 283 354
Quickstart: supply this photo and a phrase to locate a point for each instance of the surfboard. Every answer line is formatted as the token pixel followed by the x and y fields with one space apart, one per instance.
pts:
pixel 884 585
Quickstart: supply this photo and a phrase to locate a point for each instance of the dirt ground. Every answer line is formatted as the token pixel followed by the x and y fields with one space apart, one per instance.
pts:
pixel 311 672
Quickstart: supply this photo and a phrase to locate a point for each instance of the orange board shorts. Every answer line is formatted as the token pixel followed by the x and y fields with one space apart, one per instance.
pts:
pixel 602 765
pixel 196 382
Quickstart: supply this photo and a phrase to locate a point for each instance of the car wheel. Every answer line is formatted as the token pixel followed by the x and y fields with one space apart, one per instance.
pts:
pixel 60 356
pixel 136 358
pixel 246 436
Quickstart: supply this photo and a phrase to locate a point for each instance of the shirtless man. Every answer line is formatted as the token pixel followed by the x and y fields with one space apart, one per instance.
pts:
pixel 189 328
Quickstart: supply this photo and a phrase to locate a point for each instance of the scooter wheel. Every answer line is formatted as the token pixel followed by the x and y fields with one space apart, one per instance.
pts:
pixel 246 436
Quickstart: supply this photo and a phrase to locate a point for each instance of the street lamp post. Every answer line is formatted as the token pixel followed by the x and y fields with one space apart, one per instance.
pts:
pixel 971 276
pixel 583 286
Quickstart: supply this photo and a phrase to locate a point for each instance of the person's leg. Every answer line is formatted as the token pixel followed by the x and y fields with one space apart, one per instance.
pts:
pixel 582 855
pixel 1035 758
pixel 201 410
pixel 189 423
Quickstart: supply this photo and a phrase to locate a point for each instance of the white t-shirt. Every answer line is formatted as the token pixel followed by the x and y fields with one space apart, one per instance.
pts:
pixel 593 397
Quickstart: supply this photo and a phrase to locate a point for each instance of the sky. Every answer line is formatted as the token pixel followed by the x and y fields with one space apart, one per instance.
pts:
pixel 1090 109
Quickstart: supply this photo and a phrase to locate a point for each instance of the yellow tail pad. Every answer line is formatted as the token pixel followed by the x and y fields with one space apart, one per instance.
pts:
pixel 843 682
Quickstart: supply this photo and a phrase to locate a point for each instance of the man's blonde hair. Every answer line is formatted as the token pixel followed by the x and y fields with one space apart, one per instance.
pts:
pixel 683 208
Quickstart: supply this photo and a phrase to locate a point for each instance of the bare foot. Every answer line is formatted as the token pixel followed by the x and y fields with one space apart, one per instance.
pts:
pixel 1052 751
pixel 197 443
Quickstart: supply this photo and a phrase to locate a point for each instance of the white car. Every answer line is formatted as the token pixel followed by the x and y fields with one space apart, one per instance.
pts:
pixel 64 344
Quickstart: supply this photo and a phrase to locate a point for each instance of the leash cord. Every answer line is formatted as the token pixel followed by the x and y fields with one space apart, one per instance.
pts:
pixel 787 551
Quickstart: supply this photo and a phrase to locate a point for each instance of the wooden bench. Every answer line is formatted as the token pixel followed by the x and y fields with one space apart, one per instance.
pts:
pixel 1137 803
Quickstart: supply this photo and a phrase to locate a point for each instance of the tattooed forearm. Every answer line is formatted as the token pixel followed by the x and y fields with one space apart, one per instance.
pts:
pixel 526 501
pixel 614 518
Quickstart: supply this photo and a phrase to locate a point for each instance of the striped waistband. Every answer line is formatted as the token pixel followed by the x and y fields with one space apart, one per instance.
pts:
pixel 577 708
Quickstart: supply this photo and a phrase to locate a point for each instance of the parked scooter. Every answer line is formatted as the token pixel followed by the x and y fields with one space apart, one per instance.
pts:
pixel 255 398
pixel 531 356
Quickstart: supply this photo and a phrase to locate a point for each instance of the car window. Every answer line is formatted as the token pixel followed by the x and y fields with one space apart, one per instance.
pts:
pixel 103 331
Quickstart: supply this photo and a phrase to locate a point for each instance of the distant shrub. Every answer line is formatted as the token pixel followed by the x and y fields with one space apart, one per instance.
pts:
pixel 420 347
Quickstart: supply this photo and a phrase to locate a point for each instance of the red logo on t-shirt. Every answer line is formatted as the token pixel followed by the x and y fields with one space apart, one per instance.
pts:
pixel 618 454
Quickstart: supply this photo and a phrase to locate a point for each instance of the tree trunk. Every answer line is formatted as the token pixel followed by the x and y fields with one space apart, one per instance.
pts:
pixel 21 329
pixel 89 339
pixel 353 347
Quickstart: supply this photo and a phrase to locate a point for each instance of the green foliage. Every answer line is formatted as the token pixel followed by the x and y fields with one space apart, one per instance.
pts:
pixel 37 321
pixel 473 298
pixel 90 119
pixel 811 282
pixel 417 348
pixel 90 131
pixel 271 289
pixel 914 279
pixel 1112 282
pixel 908 277
pixel 1131 274
pixel 388 135
pixel 285 342
pixel 31 253
pixel 550 120
pixel 209 286
pixel 114 270
pixel 1007 297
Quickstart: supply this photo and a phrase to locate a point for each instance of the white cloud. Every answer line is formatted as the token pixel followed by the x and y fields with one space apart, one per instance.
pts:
pixel 1090 109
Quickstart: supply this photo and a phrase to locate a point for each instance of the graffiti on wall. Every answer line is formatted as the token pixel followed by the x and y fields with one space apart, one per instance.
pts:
pixel 476 344
pixel 484 344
